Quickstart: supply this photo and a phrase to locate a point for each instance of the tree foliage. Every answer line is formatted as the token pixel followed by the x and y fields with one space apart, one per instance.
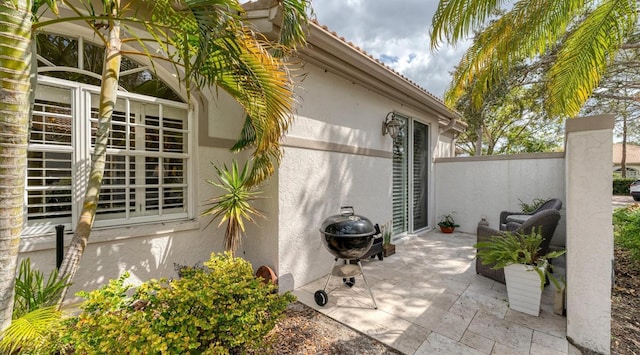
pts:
pixel 584 35
pixel 511 118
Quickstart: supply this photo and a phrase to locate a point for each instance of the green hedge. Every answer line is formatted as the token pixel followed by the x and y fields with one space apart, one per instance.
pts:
pixel 621 186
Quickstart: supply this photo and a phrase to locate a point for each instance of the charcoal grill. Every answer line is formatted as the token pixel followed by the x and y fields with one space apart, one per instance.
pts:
pixel 348 237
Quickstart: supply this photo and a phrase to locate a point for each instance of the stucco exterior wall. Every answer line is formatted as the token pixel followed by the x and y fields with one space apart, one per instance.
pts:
pixel 335 155
pixel 590 231
pixel 477 186
pixel 144 251
pixel 313 186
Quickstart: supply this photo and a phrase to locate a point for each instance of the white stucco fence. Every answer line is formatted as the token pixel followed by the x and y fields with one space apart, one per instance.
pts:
pixel 476 186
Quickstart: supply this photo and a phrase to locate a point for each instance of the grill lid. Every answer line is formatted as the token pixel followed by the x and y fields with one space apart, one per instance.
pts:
pixel 347 224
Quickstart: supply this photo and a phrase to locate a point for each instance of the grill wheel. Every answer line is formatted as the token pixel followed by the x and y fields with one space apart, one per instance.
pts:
pixel 321 297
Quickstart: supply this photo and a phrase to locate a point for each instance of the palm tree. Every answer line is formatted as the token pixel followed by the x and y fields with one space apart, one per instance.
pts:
pixel 15 27
pixel 211 44
pixel 591 34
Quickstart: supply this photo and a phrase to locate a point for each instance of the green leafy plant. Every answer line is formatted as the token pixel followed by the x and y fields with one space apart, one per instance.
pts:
pixel 234 206
pixel 387 230
pixel 530 207
pixel 512 248
pixel 219 309
pixel 447 221
pixel 626 229
pixel 35 313
pixel 33 292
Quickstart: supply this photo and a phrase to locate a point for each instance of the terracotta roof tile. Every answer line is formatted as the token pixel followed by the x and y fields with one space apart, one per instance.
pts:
pixel 363 52
pixel 633 153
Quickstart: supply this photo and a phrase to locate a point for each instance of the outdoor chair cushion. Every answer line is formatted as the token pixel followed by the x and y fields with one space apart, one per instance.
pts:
pixel 553 203
pixel 546 221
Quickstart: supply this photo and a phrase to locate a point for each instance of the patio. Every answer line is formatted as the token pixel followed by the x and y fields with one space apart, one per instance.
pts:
pixel 430 300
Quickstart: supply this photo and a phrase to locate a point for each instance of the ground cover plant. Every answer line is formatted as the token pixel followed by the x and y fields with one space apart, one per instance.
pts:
pixel 625 302
pixel 219 309
pixel 626 222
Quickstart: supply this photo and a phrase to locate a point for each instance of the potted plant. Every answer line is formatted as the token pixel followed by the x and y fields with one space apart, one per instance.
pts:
pixel 525 270
pixel 387 248
pixel 447 223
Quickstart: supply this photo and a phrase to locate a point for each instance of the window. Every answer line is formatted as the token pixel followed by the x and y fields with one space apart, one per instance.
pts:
pixel 631 173
pixel 147 160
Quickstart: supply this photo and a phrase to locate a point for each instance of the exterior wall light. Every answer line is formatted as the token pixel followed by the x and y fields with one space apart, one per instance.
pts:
pixel 391 125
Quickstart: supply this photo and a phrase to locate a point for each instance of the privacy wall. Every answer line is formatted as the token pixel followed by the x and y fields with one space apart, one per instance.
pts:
pixel 473 187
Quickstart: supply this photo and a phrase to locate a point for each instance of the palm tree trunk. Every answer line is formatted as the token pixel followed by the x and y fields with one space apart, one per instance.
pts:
pixel 108 96
pixel 15 86
pixel 479 132
pixel 623 159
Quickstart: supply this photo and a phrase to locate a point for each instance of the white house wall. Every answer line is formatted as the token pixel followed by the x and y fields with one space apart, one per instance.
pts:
pixel 144 251
pixel 335 155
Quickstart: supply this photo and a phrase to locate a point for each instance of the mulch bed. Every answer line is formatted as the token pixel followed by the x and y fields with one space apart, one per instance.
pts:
pixel 303 330
pixel 625 306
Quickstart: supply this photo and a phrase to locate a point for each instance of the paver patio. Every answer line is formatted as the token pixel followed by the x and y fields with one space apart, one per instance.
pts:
pixel 430 300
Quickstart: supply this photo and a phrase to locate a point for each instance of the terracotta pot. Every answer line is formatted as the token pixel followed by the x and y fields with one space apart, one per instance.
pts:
pixel 267 274
pixel 447 229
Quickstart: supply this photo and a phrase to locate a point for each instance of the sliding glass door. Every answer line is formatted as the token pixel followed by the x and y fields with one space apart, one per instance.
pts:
pixel 411 178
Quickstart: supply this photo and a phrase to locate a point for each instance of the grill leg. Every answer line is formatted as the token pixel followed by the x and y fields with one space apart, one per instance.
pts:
pixel 375 305
pixel 331 273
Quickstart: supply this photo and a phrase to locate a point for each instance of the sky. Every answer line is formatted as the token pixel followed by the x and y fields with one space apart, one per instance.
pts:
pixel 395 32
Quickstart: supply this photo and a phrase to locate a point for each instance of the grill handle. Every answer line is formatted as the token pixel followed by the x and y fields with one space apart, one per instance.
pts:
pixel 346 211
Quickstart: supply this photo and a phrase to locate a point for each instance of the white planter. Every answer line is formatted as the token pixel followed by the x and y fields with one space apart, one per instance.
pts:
pixel 523 288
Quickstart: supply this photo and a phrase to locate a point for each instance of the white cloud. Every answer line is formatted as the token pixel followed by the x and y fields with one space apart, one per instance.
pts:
pixel 397 33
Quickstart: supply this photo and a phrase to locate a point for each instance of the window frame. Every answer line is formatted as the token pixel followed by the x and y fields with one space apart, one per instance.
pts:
pixel 81 158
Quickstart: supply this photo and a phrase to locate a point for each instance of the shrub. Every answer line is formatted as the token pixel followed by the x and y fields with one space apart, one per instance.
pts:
pixel 626 229
pixel 218 310
pixel 621 186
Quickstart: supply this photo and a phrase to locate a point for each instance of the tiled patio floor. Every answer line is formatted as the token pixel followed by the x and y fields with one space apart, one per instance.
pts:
pixel 430 301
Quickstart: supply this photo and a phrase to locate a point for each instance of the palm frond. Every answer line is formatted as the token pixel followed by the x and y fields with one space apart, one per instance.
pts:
pixel 294 24
pixel 30 330
pixel 455 19
pixel 586 52
pixel 524 32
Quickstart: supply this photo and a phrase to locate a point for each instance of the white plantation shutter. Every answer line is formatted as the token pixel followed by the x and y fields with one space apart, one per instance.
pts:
pixel 147 160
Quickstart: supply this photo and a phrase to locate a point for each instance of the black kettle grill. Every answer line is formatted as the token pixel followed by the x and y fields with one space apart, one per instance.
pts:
pixel 349 237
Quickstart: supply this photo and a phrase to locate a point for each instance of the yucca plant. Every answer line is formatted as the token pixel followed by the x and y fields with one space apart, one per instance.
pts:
pixel 235 205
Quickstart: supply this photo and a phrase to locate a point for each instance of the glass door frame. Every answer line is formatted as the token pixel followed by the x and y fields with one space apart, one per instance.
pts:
pixel 408 148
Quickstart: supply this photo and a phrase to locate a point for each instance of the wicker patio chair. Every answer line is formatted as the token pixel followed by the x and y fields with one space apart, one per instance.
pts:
pixel 553 203
pixel 546 220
